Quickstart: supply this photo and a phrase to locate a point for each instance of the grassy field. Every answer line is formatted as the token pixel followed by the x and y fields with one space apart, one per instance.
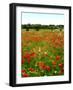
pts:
pixel 42 53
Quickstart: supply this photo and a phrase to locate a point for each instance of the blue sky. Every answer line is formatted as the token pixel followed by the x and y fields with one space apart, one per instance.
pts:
pixel 39 18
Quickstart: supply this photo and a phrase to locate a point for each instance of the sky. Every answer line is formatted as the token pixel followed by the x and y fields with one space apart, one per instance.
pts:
pixel 42 18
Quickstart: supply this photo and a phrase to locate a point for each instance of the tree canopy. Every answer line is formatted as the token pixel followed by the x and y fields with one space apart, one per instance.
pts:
pixel 37 27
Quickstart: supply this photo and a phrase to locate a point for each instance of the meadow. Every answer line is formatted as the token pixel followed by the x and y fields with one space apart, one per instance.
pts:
pixel 42 53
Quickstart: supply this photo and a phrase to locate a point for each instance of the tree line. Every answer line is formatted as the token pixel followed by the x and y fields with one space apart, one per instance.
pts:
pixel 37 27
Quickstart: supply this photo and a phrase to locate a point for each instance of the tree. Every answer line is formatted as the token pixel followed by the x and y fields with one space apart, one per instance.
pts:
pixel 37 27
pixel 60 27
pixel 52 27
pixel 28 27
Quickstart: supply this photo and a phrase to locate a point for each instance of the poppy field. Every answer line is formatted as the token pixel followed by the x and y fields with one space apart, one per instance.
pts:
pixel 42 53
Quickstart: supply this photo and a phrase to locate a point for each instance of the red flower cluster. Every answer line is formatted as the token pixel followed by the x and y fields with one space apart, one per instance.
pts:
pixel 23 61
pixel 31 69
pixel 43 66
pixel 47 68
pixel 33 54
pixel 24 74
pixel 28 56
pixel 61 65
pixel 23 71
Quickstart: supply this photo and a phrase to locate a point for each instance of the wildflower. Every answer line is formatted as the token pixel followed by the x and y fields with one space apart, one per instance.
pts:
pixel 31 69
pixel 39 50
pixel 33 54
pixel 60 65
pixel 45 53
pixel 47 68
pixel 25 75
pixel 55 72
pixel 41 65
pixel 28 57
pixel 23 71
pixel 22 61
pixel 57 57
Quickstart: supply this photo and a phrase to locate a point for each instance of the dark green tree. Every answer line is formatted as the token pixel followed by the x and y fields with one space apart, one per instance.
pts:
pixel 28 26
pixel 60 27
pixel 52 27
pixel 37 27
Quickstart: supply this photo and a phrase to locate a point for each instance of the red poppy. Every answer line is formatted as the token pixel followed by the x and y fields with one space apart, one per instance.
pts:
pixel 23 71
pixel 22 61
pixel 28 57
pixel 31 69
pixel 57 57
pixel 61 65
pixel 47 68
pixel 25 75
pixel 41 65
pixel 33 54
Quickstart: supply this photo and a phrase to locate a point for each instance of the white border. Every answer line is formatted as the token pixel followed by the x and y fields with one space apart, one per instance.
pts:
pixel 20 80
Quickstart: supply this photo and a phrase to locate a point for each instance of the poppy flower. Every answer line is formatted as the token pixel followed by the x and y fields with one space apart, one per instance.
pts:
pixel 31 69
pixel 33 54
pixel 55 72
pixel 57 57
pixel 60 65
pixel 47 68
pixel 23 71
pixel 22 61
pixel 41 65
pixel 25 75
pixel 28 57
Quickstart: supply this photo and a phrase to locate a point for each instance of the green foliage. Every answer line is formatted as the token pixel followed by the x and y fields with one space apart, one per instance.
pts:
pixel 60 27
pixel 38 27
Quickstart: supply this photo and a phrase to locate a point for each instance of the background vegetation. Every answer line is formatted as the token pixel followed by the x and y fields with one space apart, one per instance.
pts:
pixel 37 27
